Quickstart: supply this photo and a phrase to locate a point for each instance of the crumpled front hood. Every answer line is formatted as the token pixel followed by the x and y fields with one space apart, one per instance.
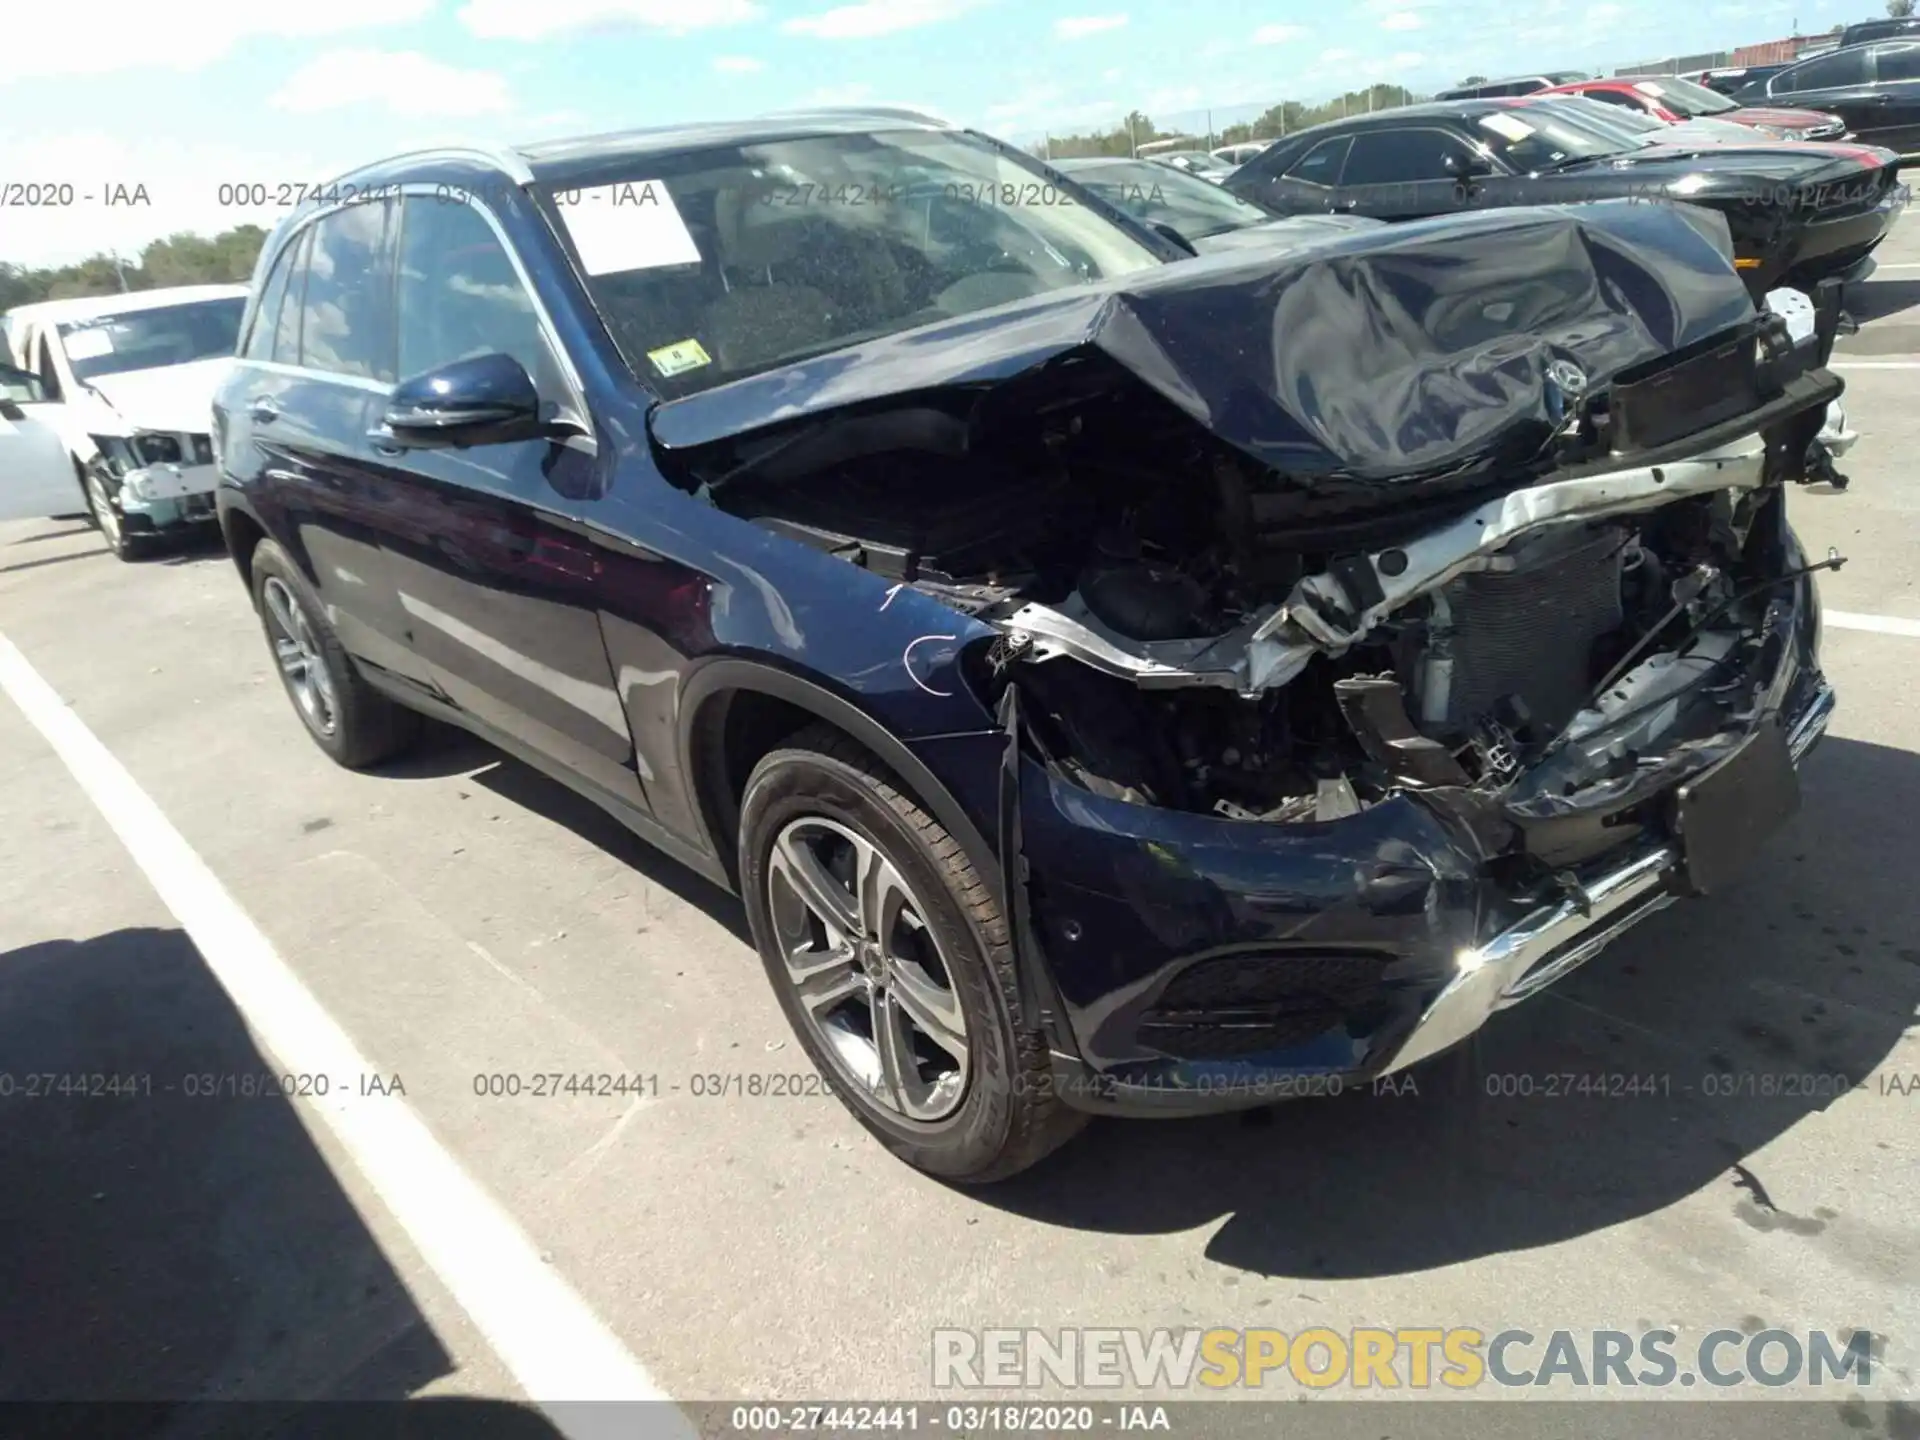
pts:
pixel 1385 354
pixel 175 398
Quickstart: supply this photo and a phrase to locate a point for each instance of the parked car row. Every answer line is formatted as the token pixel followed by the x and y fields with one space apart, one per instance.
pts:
pixel 1130 650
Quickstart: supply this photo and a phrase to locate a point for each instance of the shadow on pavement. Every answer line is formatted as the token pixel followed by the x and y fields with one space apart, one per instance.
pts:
pixel 1742 1016
pixel 446 750
pixel 179 1242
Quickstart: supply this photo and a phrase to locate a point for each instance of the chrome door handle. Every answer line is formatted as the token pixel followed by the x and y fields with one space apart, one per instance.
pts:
pixel 263 409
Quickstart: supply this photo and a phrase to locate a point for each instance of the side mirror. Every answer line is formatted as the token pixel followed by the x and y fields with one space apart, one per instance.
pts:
pixel 1466 167
pixel 485 400
pixel 1173 237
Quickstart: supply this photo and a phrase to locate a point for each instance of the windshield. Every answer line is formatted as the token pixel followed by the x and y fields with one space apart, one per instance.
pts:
pixel 1196 208
pixel 1685 98
pixel 150 339
pixel 712 265
pixel 1632 127
pixel 1535 138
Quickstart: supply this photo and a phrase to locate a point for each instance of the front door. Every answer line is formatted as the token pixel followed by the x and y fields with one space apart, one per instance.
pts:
pixel 1406 173
pixel 37 478
pixel 495 574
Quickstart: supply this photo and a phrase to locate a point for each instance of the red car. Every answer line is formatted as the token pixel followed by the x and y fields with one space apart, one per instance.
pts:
pixel 1668 97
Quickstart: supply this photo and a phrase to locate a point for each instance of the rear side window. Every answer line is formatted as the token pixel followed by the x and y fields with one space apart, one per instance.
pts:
pixel 342 314
pixel 1321 165
pixel 285 345
pixel 1897 62
pixel 460 295
pixel 266 316
pixel 1827 72
pixel 1614 97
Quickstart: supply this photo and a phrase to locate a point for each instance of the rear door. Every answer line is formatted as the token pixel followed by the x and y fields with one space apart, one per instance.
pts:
pixel 495 574
pixel 36 473
pixel 316 369
pixel 1407 172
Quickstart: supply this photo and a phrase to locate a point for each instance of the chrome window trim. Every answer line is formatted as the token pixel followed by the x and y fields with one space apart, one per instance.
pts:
pixel 308 372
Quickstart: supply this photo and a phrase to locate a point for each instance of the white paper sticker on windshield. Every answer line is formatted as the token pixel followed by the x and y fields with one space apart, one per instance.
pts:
pixel 630 226
pixel 1506 126
pixel 88 344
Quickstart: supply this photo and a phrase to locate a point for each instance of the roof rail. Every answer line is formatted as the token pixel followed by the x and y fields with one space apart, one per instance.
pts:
pixel 888 112
pixel 510 162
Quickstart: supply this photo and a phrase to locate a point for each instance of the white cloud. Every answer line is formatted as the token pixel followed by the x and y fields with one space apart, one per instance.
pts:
pixel 1401 20
pixel 1336 57
pixel 867 18
pixel 1278 34
pixel 1110 75
pixel 520 20
pixel 1078 27
pixel 404 82
pixel 102 38
pixel 737 64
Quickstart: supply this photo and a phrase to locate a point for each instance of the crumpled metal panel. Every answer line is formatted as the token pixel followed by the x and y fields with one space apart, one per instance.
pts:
pixel 1387 354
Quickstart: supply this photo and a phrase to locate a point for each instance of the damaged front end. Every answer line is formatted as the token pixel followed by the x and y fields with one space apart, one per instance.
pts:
pixel 1388 626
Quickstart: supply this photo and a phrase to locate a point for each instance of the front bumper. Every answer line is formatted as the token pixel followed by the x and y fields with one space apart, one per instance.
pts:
pixel 1205 965
pixel 169 494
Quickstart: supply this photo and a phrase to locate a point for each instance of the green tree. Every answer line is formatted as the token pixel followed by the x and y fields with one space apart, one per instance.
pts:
pixel 1899 9
pixel 180 259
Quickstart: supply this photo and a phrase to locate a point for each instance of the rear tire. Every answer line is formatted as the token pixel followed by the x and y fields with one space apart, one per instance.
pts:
pixel 919 943
pixel 354 723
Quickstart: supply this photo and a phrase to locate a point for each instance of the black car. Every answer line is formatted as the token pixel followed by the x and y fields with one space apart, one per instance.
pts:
pixel 1110 684
pixel 1875 88
pixel 1734 78
pixel 1866 31
pixel 1798 213
pixel 1199 212
pixel 1509 86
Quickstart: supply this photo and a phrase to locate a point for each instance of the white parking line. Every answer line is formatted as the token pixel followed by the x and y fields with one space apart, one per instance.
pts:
pixel 1840 362
pixel 1878 624
pixel 544 1332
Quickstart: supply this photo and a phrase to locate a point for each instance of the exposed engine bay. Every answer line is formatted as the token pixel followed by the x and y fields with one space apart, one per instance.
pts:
pixel 1572 615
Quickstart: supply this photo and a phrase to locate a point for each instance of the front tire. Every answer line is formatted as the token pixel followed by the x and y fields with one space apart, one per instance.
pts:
pixel 892 961
pixel 103 509
pixel 354 723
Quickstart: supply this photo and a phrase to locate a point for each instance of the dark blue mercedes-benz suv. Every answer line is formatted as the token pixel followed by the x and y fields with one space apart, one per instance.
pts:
pixel 1112 678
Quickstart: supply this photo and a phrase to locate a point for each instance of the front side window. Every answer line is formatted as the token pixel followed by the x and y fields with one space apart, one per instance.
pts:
pixel 711 265
pixel 1195 208
pixel 152 339
pixel 1402 157
pixel 1897 62
pixel 1321 165
pixel 459 295
pixel 342 328
pixel 1825 72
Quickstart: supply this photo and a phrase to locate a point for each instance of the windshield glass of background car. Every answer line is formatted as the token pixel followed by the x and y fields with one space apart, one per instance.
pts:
pixel 1631 127
pixel 1536 139
pixel 1685 98
pixel 148 339
pixel 766 254
pixel 1196 208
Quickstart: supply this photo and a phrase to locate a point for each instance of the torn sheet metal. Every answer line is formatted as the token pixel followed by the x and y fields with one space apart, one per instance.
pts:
pixel 1386 355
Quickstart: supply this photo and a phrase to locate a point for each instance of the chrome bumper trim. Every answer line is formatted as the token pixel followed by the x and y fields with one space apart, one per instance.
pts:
pixel 1562 935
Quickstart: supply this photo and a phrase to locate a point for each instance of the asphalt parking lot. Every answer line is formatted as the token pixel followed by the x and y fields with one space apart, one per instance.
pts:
pixel 460 916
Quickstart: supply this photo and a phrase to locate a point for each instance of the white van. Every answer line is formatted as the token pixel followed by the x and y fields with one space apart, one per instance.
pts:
pixel 126 382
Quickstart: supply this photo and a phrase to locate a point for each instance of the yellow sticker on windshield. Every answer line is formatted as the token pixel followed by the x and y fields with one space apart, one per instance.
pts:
pixel 681 355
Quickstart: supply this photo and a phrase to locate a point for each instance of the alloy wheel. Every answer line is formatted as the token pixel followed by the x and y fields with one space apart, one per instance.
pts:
pixel 873 981
pixel 298 651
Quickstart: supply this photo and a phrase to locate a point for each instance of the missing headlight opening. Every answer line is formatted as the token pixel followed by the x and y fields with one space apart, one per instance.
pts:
pixel 1585 606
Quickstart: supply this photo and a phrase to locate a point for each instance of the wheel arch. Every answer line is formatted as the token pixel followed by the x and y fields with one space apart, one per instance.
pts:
pixel 734 711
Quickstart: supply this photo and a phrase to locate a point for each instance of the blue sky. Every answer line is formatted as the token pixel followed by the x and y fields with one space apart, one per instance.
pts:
pixel 183 97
